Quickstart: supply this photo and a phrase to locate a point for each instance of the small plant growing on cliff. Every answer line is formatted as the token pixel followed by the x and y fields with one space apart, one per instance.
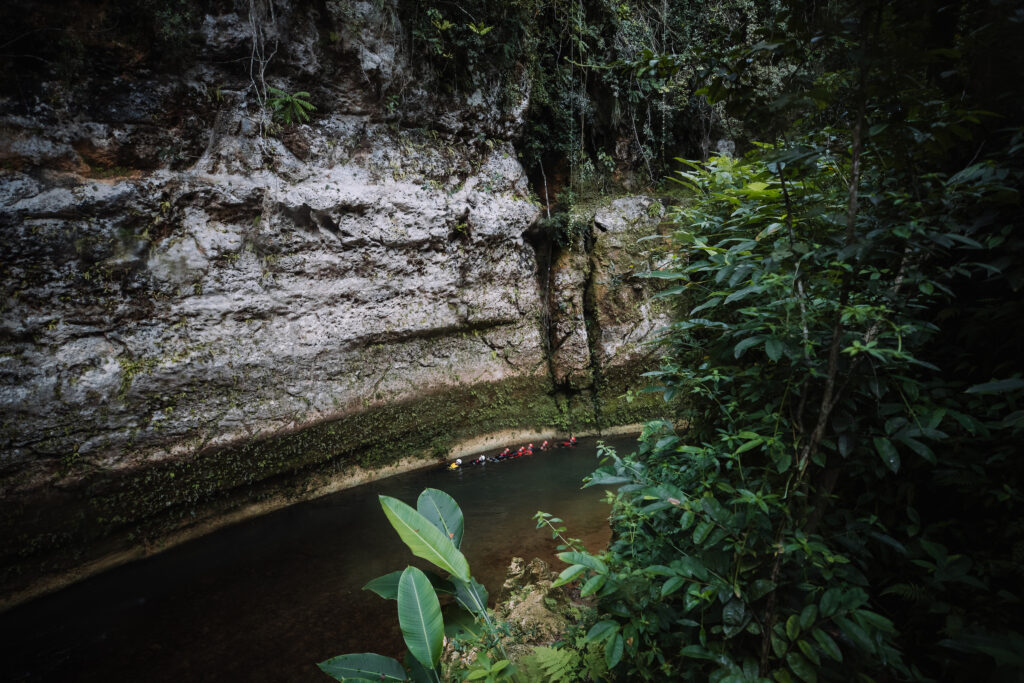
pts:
pixel 289 109
pixel 433 531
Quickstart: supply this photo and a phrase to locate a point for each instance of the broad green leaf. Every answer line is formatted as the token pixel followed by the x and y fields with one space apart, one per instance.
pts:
pixel 887 452
pixel 782 459
pixel 749 445
pixel 809 652
pixel 417 672
pixel 715 510
pixel 760 588
pixel 710 303
pixel 779 646
pixel 774 348
pixel 443 512
pixel 701 532
pixel 830 602
pixel 686 521
pixel 782 676
pixel 742 294
pixel 593 584
pixel 658 570
pixel 793 627
pixel 734 617
pixel 585 559
pixel 827 644
pixel 746 344
pixel 672 585
pixel 874 619
pixel 471 595
pixel 921 449
pixel 387 586
pixel 808 616
pixel 461 624
pixel 568 574
pixel 613 650
pixel 690 566
pixel 419 615
pixel 998 387
pixel 600 478
pixel 698 652
pixel 424 539
pixel 363 667
pixel 856 634
pixel 801 667
pixel 602 630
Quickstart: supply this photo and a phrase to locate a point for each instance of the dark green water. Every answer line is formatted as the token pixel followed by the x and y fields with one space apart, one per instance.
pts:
pixel 266 599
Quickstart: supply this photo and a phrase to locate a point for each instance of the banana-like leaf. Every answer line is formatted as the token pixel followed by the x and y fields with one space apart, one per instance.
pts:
pixel 417 672
pixel 424 539
pixel 419 615
pixel 387 586
pixel 471 595
pixel 363 667
pixel 458 622
pixel 443 512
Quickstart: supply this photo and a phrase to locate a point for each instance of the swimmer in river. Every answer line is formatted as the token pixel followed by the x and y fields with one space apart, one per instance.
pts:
pixel 544 446
pixel 455 465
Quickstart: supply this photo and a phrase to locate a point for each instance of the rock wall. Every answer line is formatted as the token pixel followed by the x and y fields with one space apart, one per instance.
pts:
pixel 200 305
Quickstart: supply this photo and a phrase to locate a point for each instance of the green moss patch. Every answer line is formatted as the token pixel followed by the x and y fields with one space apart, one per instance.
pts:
pixel 52 530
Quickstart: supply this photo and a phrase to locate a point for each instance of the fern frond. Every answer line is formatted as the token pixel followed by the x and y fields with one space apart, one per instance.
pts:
pixel 558 665
pixel 910 592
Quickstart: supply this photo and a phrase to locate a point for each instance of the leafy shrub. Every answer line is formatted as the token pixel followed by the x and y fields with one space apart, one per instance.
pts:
pixel 432 531
pixel 834 500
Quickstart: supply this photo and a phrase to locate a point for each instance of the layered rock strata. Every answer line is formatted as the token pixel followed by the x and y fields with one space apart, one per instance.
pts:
pixel 202 306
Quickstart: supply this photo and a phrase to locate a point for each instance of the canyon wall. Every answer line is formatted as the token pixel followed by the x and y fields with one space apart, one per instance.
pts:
pixel 203 305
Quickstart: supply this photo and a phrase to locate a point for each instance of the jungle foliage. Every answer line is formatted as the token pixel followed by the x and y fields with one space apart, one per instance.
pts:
pixel 433 531
pixel 837 491
pixel 588 117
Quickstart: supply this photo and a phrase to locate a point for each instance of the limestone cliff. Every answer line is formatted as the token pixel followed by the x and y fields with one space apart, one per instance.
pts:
pixel 201 305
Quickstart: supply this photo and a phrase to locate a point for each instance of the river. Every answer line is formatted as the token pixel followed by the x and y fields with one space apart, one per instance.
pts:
pixel 267 598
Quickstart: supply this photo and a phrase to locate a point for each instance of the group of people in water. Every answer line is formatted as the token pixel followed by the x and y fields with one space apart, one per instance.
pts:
pixel 509 454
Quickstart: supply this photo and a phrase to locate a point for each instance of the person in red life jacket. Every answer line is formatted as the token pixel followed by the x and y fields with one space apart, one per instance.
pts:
pixel 521 452
pixel 544 446
pixel 572 440
pixel 529 449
